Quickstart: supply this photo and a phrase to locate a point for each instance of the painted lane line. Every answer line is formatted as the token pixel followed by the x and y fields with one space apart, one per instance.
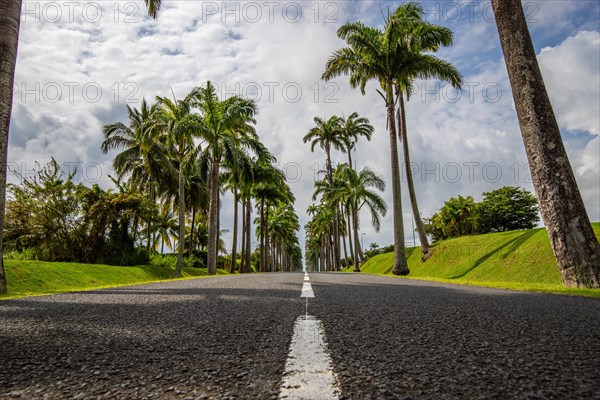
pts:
pixel 308 369
pixel 306 278
pixel 307 290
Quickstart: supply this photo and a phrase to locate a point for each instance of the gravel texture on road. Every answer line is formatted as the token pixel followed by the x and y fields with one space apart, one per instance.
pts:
pixel 397 338
pixel 217 338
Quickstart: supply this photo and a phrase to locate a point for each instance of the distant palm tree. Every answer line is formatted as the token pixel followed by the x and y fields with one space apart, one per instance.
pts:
pixel 356 192
pixel 180 126
pixel 354 127
pixel 575 246
pixel 226 125
pixel 327 134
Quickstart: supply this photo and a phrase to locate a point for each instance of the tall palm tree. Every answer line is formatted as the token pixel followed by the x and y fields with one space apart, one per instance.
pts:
pixel 371 55
pixel 180 125
pixel 225 125
pixel 575 246
pixel 417 37
pixel 328 134
pixel 353 127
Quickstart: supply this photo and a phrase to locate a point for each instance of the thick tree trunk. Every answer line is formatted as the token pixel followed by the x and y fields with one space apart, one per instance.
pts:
pixel 350 157
pixel 247 263
pixel 341 214
pixel 403 135
pixel 400 266
pixel 235 228
pixel 10 19
pixel 213 229
pixel 181 239
pixel 575 246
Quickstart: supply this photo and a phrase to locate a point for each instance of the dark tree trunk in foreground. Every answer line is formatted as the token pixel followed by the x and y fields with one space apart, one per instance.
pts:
pixel 10 14
pixel 403 134
pixel 247 264
pixel 575 246
pixel 400 266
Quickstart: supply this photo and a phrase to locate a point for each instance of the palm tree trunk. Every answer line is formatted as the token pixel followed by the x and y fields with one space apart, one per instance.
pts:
pixel 181 240
pixel 213 229
pixel 357 255
pixel 350 157
pixel 235 227
pixel 267 244
pixel 350 233
pixel 243 241
pixel 336 230
pixel 10 19
pixel 403 135
pixel 400 266
pixel 191 245
pixel 248 266
pixel 341 214
pixel 575 246
pixel 263 267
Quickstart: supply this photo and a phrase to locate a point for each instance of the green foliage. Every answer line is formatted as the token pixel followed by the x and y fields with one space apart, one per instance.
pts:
pixel 507 209
pixel 58 220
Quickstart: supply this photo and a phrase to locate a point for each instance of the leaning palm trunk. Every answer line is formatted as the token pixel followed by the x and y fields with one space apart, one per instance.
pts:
pixel 235 227
pixel 181 240
pixel 400 266
pixel 10 14
pixel 575 246
pixel 403 134
pixel 213 229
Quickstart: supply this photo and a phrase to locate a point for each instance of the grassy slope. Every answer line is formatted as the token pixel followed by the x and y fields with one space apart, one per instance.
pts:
pixel 514 260
pixel 27 278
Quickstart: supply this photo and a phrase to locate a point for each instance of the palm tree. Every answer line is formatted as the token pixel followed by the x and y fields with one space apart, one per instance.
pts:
pixel 225 125
pixel 356 192
pixel 10 18
pixel 575 246
pixel 167 228
pixel 371 55
pixel 328 134
pixel 180 126
pixel 416 37
pixel 354 127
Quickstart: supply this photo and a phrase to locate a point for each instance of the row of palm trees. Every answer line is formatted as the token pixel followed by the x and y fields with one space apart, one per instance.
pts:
pixel 182 153
pixel 342 194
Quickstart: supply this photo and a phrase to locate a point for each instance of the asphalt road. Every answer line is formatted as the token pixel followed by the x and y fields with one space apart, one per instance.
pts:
pixel 228 337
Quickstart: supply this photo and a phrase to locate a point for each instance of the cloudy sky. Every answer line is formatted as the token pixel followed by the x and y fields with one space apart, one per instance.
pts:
pixel 81 62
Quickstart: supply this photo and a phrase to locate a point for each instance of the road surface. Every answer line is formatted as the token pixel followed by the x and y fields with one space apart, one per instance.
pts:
pixel 255 337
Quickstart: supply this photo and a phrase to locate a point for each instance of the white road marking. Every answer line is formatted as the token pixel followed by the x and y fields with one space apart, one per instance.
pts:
pixel 307 290
pixel 308 370
pixel 306 278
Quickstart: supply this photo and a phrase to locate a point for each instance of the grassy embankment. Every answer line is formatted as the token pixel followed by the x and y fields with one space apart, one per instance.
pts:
pixel 30 278
pixel 520 260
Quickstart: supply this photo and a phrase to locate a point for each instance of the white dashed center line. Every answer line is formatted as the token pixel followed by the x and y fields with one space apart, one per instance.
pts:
pixel 308 369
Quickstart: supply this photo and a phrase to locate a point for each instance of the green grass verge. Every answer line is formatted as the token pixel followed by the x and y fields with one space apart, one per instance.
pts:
pixel 31 278
pixel 519 260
